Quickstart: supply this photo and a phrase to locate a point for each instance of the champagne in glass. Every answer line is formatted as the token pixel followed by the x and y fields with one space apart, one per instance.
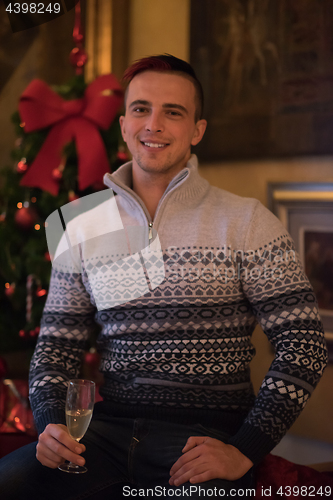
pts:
pixel 79 407
pixel 78 422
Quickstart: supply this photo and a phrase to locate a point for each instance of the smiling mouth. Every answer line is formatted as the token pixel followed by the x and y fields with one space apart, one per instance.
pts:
pixel 153 145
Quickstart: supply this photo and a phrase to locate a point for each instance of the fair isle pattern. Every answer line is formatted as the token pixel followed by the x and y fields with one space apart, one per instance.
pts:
pixel 187 343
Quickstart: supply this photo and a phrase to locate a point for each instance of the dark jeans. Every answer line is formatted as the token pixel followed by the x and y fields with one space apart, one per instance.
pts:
pixel 126 458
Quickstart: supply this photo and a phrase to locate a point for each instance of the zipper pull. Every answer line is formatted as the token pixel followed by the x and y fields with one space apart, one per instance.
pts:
pixel 150 233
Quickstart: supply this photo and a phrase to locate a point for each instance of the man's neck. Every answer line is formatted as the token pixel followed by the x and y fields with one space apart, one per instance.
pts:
pixel 150 188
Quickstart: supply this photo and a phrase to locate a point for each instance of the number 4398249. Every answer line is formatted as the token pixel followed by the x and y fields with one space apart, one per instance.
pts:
pixel 305 491
pixel 33 8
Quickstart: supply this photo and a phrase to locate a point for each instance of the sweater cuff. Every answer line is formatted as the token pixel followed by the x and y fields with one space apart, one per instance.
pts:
pixel 252 442
pixel 49 417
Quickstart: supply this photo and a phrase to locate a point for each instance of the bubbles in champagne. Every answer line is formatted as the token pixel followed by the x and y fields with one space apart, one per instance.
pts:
pixel 77 422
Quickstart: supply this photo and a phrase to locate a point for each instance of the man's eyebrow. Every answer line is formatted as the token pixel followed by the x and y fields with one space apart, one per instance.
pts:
pixel 140 102
pixel 175 106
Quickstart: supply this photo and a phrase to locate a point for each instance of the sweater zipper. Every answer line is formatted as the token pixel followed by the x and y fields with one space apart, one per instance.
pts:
pixel 150 223
pixel 150 232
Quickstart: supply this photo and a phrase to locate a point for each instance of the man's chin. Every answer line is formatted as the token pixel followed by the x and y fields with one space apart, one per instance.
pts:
pixel 154 166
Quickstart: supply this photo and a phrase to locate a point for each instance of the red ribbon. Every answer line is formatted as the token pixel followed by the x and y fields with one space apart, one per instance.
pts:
pixel 77 120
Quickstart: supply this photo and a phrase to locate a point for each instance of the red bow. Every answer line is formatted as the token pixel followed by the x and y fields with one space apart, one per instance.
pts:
pixel 77 120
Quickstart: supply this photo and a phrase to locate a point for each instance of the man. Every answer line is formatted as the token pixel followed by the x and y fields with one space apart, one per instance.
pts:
pixel 179 409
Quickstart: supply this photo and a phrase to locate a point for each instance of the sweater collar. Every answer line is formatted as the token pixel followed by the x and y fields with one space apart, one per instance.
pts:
pixel 188 181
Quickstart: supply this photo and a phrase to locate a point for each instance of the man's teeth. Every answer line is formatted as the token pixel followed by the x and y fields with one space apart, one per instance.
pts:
pixel 153 145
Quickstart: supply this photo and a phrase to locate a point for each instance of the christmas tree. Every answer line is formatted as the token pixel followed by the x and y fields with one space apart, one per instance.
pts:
pixel 38 184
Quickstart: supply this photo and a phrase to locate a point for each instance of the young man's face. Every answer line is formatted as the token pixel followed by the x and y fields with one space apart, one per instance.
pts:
pixel 159 126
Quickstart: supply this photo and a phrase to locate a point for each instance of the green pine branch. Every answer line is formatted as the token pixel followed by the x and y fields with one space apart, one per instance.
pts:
pixel 23 252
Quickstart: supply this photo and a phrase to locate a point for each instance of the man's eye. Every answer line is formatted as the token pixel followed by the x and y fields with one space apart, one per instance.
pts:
pixel 174 113
pixel 139 110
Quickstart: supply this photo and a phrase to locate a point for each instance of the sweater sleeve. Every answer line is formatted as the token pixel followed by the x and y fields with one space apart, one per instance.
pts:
pixel 67 321
pixel 285 306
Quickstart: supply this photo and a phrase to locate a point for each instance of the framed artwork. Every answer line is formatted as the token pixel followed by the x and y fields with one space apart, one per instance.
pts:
pixel 267 70
pixel 306 210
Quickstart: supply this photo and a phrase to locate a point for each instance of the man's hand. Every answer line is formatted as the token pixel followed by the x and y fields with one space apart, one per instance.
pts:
pixel 206 458
pixel 55 446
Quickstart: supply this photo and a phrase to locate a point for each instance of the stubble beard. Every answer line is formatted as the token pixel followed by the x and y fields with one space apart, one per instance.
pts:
pixel 153 166
pixel 158 166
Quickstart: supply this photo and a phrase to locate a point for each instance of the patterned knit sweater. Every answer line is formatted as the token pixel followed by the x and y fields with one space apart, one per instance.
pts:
pixel 180 348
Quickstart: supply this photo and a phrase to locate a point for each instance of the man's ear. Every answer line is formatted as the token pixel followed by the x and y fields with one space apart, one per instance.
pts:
pixel 122 126
pixel 200 128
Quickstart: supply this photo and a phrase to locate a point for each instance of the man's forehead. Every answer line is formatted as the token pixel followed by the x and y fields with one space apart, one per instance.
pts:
pixel 166 82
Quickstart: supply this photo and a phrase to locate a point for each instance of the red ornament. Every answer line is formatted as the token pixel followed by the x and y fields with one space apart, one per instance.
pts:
pixel 40 292
pixel 91 358
pixel 34 332
pixel 78 38
pixel 78 58
pixel 22 166
pixel 26 218
pixel 47 257
pixel 10 289
pixel 3 217
pixel 57 174
pixel 122 155
pixel 22 334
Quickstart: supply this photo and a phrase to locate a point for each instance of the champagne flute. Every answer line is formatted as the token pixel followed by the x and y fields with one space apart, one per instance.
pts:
pixel 79 407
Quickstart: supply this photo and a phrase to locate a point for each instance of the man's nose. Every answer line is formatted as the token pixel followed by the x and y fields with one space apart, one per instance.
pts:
pixel 154 122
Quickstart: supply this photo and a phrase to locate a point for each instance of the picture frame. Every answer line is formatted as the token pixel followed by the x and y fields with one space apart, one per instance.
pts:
pixel 306 210
pixel 266 69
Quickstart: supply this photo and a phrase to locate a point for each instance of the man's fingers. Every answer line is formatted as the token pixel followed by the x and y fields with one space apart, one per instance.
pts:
pixel 201 478
pixel 192 454
pixel 185 464
pixel 57 453
pixel 45 453
pixel 50 463
pixel 193 441
pixel 188 472
pixel 208 458
pixel 55 446
pixel 60 433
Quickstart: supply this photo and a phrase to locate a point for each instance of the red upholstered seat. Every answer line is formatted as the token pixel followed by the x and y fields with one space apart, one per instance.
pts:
pixel 278 479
